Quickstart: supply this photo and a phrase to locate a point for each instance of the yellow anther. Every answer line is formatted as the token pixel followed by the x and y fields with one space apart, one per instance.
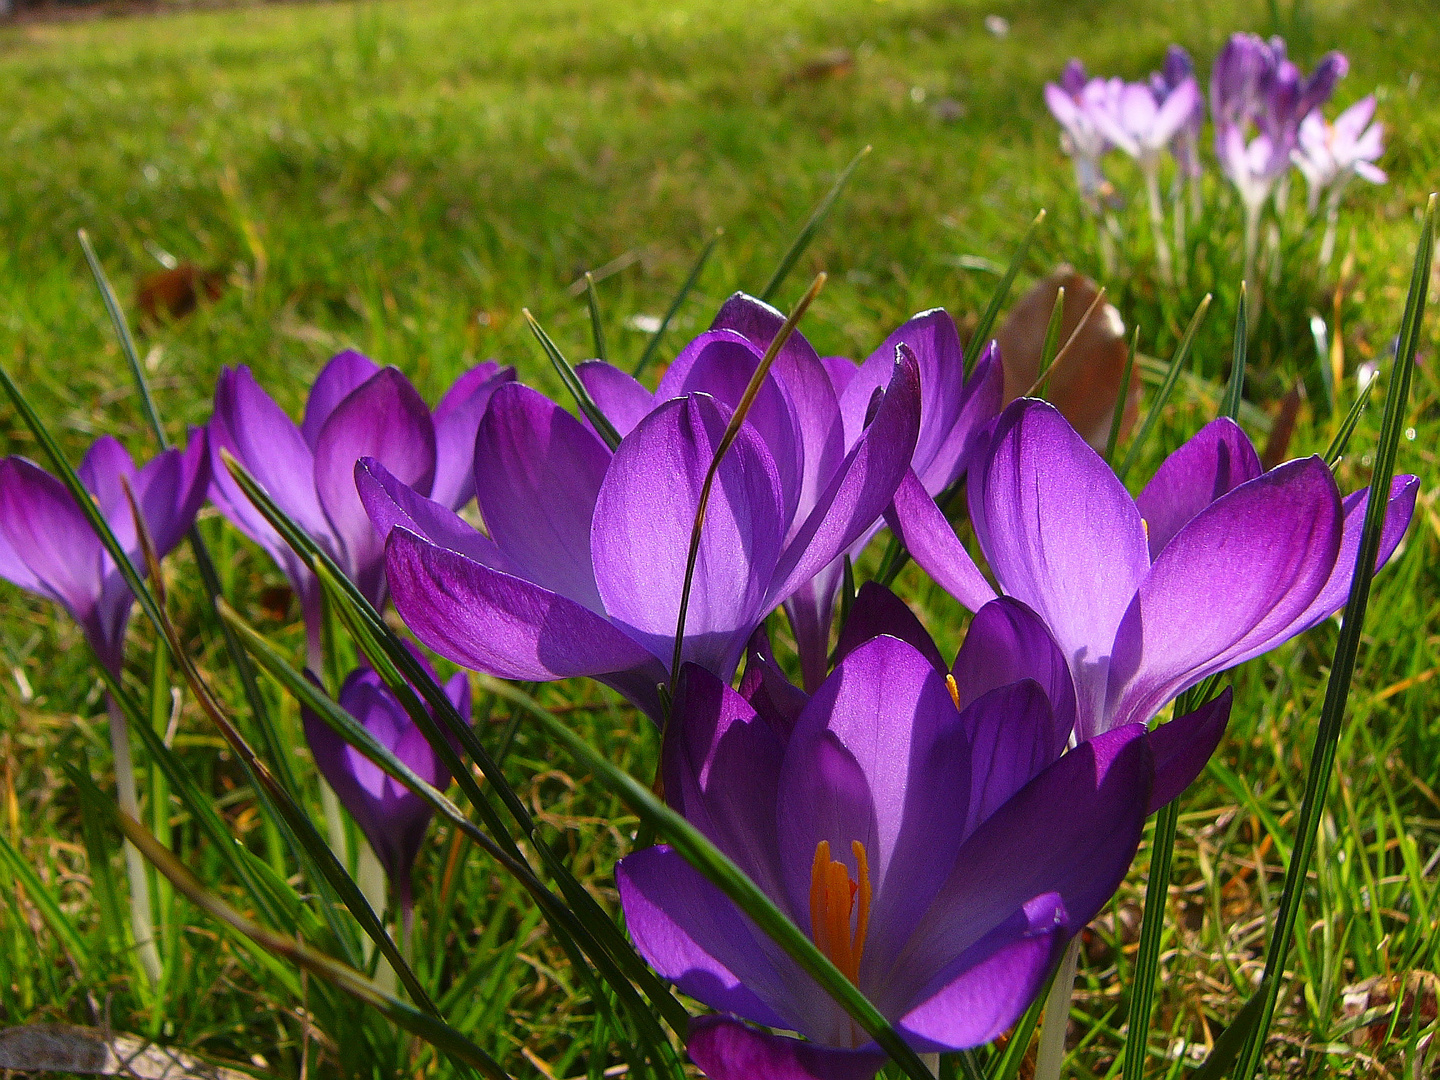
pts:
pixel 833 905
pixel 1146 526
pixel 954 690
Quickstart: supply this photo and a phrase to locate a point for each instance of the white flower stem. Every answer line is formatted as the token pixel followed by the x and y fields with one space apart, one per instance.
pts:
pixel 931 1062
pixel 142 920
pixel 1050 1057
pixel 1332 220
pixel 1182 249
pixel 1157 221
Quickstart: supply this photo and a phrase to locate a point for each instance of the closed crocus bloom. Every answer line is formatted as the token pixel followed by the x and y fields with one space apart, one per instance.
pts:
pixel 815 414
pixel 392 817
pixel 1185 144
pixel 355 409
pixel 584 564
pixel 1215 562
pixel 48 547
pixel 926 827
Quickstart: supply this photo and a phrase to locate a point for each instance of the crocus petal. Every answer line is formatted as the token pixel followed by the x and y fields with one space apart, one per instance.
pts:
pixel 101 470
pixel 1213 462
pixel 877 756
pixel 1060 533
pixel 619 395
pixel 984 991
pixel 262 438
pixel 344 373
pixel 932 543
pixel 383 418
pixel 1026 849
pixel 1242 571
pixel 862 487
pixel 980 401
pixel 457 418
pixel 721 765
pixel 695 936
pixel 489 621
pixel 389 503
pixel 51 536
pixel 1012 736
pixel 644 517
pixel 1008 642
pixel 1369 172
pixel 170 490
pixel 878 611
pixel 1184 745
pixel 726 1049
pixel 1173 114
pixel 764 685
pixel 538 471
pixel 1350 123
pixel 811 610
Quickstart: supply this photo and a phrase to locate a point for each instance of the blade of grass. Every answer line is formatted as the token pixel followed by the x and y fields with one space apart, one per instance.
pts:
pixel 809 229
pixel 98 852
pixel 1235 389
pixel 1002 290
pixel 1347 645
pixel 732 430
pixel 597 330
pixel 1047 367
pixel 1319 334
pixel 586 404
pixel 46 904
pixel 426 1024
pixel 728 877
pixel 1118 416
pixel 688 284
pixel 1336 450
pixel 1172 375
pixel 1227 1047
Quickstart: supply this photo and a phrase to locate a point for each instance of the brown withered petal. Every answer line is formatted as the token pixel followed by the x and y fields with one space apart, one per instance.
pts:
pixel 173 294
pixel 1085 380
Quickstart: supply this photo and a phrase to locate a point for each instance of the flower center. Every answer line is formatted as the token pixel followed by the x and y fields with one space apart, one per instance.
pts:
pixel 834 898
pixel 954 690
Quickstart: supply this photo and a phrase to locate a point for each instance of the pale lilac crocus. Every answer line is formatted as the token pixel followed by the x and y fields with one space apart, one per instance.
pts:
pixel 48 547
pixel 392 817
pixel 1258 98
pixel 818 415
pixel 1143 123
pixel 583 567
pixel 355 409
pixel 1075 103
pixel 1215 562
pixel 1330 154
pixel 926 827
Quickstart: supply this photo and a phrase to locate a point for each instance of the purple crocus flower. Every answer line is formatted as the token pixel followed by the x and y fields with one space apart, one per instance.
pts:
pixel 392 817
pixel 1185 144
pixel 926 827
pixel 48 547
pixel 1330 154
pixel 584 565
pixel 818 415
pixel 356 409
pixel 1075 103
pixel 1258 98
pixel 1214 563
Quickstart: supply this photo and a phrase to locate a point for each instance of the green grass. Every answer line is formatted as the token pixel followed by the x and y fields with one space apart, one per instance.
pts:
pixel 405 177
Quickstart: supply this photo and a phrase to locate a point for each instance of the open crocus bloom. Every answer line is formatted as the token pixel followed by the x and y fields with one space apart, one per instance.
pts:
pixel 812 413
pixel 1142 122
pixel 1074 102
pixel 1185 144
pixel 584 566
pixel 392 817
pixel 355 409
pixel 927 828
pixel 1329 154
pixel 48 547
pixel 1215 562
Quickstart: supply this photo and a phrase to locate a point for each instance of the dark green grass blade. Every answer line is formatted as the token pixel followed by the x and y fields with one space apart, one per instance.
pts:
pixel 1152 930
pixel 597 329
pixel 274 744
pixel 583 401
pixel 404 675
pixel 1235 390
pixel 1172 375
pixel 981 336
pixel 1347 645
pixel 98 852
pixel 1118 416
pixel 1007 1065
pixel 689 283
pixel 427 1025
pixel 1336 450
pixel 1227 1047
pixel 809 229
pixel 46 904
pixel 730 879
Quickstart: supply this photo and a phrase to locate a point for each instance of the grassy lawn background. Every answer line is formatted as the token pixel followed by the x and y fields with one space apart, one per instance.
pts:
pixel 405 177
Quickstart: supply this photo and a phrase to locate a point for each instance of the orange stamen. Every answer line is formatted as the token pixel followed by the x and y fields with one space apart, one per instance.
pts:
pixel 833 904
pixel 954 690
